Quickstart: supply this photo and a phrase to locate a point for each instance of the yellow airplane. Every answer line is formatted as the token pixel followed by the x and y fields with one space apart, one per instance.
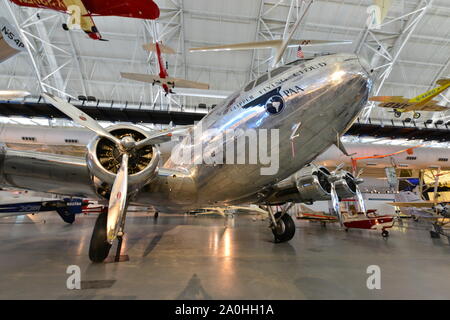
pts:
pixel 422 102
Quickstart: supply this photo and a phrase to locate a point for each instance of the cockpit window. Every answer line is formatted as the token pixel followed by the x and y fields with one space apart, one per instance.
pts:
pixel 278 70
pixel 262 79
pixel 249 86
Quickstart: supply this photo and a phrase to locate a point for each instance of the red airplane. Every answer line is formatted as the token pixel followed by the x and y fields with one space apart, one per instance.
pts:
pixel 163 79
pixel 82 11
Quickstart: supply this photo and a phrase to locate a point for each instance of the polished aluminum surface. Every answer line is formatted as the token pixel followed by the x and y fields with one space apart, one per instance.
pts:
pixel 321 98
pixel 334 89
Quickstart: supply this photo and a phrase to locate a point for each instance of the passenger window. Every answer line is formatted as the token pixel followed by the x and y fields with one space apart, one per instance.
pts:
pixel 249 86
pixel 262 79
pixel 277 71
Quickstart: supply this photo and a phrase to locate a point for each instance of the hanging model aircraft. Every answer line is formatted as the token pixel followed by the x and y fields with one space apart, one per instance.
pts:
pixel 81 11
pixel 163 79
pixel 422 102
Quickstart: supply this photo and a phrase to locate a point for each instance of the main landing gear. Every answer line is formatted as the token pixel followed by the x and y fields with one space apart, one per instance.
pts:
pixel 416 115
pixel 99 247
pixel 397 114
pixel 282 225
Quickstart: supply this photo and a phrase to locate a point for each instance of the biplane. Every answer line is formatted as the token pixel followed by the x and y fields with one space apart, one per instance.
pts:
pixel 81 12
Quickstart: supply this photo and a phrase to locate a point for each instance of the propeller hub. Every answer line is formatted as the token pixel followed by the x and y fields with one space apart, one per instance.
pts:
pixel 128 142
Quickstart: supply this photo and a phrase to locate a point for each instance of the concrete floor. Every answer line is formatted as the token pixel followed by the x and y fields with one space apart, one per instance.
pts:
pixel 186 257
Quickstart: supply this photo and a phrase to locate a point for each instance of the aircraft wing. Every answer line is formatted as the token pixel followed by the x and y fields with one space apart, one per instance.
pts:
pixel 397 99
pixel 171 82
pixel 267 45
pixel 432 106
pixel 425 204
pixel 44 172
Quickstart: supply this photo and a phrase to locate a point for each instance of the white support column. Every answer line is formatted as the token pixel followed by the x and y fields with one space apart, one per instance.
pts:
pixel 57 67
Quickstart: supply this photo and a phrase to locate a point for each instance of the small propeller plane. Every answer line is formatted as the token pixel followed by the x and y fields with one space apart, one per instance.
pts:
pixel 82 11
pixel 163 79
pixel 422 102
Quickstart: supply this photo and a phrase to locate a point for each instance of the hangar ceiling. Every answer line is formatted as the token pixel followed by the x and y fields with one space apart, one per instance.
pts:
pixel 77 65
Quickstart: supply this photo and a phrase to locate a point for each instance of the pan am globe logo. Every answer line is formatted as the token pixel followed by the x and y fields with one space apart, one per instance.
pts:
pixel 275 104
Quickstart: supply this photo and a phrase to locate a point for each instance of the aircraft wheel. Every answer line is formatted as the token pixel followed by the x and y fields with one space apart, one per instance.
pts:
pixel 65 26
pixel 285 229
pixel 99 247
pixel 94 29
pixel 416 115
pixel 397 114
pixel 434 235
pixel 385 234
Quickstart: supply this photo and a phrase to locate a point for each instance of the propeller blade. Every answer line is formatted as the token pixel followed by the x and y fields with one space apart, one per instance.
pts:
pixel 335 204
pixel 117 200
pixel 79 117
pixel 361 203
pixel 164 136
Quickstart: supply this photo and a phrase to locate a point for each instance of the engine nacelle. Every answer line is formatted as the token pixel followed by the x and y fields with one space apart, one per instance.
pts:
pixel 104 160
pixel 346 184
pixel 313 184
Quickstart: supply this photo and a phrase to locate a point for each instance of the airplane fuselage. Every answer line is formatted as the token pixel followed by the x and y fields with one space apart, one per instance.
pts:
pixel 310 104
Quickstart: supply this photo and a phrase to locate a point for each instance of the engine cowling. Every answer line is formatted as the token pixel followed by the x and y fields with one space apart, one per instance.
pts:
pixel 104 158
pixel 313 184
pixel 346 184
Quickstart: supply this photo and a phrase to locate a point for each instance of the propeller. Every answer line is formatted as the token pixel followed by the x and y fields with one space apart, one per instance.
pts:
pixel 335 203
pixel 117 200
pixel 118 197
pixel 80 117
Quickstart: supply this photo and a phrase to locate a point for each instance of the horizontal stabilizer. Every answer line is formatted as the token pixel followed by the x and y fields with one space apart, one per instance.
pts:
pixel 169 81
pixel 151 47
pixel 267 45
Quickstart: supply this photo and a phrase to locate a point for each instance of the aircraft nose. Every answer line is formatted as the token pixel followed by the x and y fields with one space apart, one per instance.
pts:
pixel 366 66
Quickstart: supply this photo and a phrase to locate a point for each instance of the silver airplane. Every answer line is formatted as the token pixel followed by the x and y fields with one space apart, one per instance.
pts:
pixel 312 102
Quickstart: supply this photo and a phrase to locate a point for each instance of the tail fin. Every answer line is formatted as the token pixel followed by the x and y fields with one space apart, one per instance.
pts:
pixel 443 81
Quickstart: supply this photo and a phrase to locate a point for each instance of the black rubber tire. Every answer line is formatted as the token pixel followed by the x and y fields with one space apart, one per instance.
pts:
pixel 434 235
pixel 397 114
pixel 286 229
pixel 65 26
pixel 385 234
pixel 99 247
